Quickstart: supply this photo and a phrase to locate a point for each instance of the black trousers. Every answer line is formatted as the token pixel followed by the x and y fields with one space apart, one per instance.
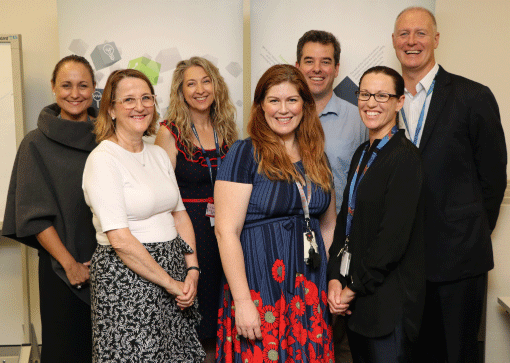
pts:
pixel 453 311
pixel 392 348
pixel 65 319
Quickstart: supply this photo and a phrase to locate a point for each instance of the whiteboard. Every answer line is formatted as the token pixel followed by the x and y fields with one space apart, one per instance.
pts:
pixel 11 104
pixel 14 311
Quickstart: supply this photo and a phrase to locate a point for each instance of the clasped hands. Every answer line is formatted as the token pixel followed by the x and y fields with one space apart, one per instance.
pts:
pixel 185 292
pixel 339 299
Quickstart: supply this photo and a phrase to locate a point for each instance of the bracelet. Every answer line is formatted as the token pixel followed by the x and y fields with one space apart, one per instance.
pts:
pixel 194 268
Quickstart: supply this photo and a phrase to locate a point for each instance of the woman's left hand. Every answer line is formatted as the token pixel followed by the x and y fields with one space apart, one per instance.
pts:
pixel 189 290
pixel 338 299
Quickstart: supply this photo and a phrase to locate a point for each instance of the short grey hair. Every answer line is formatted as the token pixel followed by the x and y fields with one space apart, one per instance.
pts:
pixel 418 8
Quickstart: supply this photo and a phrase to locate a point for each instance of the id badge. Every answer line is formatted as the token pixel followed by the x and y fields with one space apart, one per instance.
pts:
pixel 345 263
pixel 308 243
pixel 209 212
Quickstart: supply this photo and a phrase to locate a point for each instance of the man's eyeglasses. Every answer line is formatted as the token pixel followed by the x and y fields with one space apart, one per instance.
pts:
pixel 130 102
pixel 378 97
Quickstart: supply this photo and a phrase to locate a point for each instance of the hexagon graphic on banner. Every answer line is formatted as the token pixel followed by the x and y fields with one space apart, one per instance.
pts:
pixel 148 67
pixel 104 55
pixel 78 47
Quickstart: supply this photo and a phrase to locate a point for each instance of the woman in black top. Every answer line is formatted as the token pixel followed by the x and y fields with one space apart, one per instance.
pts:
pixel 379 229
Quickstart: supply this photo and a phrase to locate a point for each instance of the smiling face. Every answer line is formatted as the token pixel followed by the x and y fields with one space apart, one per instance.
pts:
pixel 414 39
pixel 133 122
pixel 73 89
pixel 379 118
pixel 198 90
pixel 283 110
pixel 318 66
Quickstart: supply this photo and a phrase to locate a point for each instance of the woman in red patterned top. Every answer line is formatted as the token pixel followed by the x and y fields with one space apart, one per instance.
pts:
pixel 198 130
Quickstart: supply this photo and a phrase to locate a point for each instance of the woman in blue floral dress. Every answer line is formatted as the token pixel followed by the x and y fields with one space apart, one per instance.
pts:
pixel 275 215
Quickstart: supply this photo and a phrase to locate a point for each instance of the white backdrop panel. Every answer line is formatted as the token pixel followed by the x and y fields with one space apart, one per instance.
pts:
pixel 363 28
pixel 162 30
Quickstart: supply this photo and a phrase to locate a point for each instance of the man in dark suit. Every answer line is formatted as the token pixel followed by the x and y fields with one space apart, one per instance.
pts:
pixel 455 122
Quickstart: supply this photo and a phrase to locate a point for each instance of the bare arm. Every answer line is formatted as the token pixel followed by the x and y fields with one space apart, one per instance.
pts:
pixel 185 230
pixel 77 273
pixel 327 223
pixel 166 140
pixel 138 259
pixel 232 201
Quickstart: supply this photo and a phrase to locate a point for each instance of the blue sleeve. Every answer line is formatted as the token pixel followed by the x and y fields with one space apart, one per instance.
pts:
pixel 239 165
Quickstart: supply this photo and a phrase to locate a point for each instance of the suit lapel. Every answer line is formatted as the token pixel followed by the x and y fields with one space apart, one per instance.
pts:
pixel 439 97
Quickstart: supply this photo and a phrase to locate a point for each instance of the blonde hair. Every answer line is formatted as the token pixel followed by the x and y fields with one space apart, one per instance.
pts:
pixel 223 112
pixel 269 150
pixel 104 127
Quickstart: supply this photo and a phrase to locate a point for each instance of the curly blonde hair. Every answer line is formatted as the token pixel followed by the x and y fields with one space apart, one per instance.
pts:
pixel 223 112
pixel 270 151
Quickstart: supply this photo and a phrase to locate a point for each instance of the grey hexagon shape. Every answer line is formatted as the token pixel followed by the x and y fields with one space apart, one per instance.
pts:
pixel 211 59
pixel 78 47
pixel 234 69
pixel 168 58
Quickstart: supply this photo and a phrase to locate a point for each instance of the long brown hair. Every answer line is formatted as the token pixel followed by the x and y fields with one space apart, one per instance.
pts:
pixel 223 112
pixel 104 127
pixel 269 149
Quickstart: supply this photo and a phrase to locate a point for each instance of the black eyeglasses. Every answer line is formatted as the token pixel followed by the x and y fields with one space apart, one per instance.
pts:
pixel 378 97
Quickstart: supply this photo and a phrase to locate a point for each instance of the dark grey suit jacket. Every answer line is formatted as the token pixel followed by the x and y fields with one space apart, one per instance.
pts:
pixel 464 164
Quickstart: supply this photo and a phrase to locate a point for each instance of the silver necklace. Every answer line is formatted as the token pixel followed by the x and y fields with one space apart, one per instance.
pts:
pixel 140 157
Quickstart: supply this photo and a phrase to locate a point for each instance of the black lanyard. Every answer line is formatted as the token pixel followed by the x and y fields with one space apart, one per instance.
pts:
pixel 208 161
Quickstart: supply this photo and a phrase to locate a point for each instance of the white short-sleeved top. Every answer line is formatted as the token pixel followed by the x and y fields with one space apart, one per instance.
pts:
pixel 132 190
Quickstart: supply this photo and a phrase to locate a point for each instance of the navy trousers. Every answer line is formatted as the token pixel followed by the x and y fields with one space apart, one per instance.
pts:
pixel 453 311
pixel 392 348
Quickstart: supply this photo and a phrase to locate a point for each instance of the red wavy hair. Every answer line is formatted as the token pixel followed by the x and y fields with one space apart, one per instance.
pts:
pixel 270 152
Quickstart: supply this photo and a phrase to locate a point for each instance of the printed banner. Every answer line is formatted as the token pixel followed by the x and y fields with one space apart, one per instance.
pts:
pixel 363 28
pixel 153 36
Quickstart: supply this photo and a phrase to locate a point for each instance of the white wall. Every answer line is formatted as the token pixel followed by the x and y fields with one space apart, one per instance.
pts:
pixel 36 21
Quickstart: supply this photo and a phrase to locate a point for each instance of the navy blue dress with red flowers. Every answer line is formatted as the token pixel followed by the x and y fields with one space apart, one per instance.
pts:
pixel 290 297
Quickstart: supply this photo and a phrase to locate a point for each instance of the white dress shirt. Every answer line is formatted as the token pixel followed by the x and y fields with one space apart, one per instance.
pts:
pixel 414 104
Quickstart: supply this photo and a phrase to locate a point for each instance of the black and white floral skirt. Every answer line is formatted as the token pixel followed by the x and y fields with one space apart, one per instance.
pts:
pixel 135 320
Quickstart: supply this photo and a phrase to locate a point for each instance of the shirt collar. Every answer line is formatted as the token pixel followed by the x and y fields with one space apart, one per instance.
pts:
pixel 332 106
pixel 426 81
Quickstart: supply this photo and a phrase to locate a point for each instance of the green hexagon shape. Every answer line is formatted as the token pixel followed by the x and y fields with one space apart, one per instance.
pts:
pixel 148 67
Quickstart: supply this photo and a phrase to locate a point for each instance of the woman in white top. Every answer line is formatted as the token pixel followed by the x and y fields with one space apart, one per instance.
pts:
pixel 143 274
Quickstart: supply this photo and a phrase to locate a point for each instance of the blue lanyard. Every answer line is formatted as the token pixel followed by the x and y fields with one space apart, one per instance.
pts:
pixel 420 120
pixel 353 190
pixel 207 160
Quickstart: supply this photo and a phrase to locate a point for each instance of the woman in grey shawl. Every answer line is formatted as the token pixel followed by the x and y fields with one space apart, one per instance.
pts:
pixel 46 210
